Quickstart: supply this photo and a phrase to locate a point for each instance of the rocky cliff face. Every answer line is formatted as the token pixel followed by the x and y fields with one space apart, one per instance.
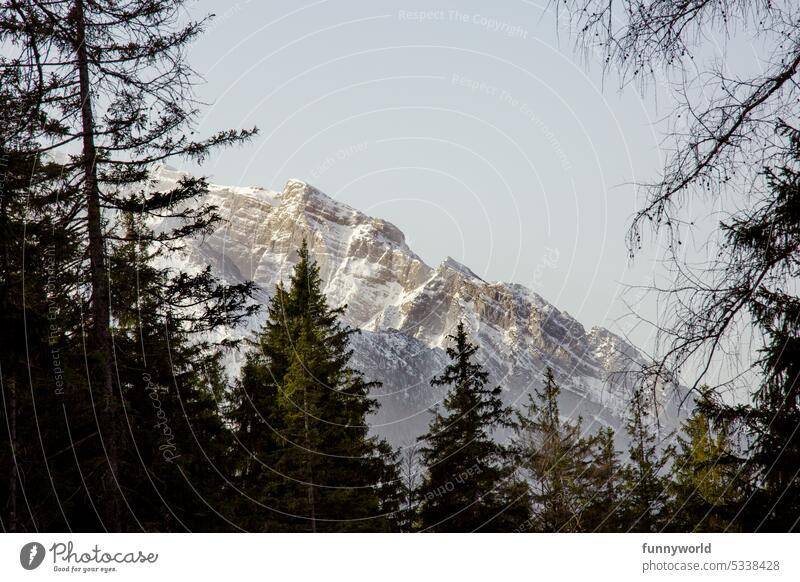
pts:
pixel 406 308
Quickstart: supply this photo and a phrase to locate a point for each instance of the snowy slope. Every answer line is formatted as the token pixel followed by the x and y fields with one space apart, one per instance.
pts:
pixel 406 308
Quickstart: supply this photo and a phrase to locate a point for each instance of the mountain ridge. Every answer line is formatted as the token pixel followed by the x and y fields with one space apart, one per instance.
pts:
pixel 406 308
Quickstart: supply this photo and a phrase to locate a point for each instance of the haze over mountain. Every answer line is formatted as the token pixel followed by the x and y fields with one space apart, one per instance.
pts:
pixel 406 308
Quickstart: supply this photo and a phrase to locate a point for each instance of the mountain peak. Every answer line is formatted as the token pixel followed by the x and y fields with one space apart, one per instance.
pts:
pixel 295 188
pixel 406 308
pixel 454 265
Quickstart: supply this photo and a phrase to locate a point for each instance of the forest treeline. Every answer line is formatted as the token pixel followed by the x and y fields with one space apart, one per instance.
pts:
pixel 117 413
pixel 286 447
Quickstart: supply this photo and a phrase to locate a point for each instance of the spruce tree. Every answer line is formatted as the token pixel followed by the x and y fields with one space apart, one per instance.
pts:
pixel 46 420
pixel 304 456
pixel 40 488
pixel 111 80
pixel 773 419
pixel 769 239
pixel 603 496
pixel 556 461
pixel 646 486
pixel 253 412
pixel 762 246
pixel 708 483
pixel 469 482
pixel 172 382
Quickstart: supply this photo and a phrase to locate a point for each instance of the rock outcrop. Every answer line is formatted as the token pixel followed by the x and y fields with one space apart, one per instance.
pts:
pixel 406 308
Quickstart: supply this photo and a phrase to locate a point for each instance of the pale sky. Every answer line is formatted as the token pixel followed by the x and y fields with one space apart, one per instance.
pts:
pixel 475 127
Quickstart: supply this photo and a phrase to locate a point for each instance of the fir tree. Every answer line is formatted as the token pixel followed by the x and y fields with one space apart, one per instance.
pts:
pixel 469 481
pixel 110 78
pixel 304 454
pixel 603 496
pixel 769 239
pixel 172 381
pixel 646 491
pixel 254 414
pixel 708 484
pixel 556 461
pixel 39 331
pixel 762 246
pixel 37 322
pixel 774 421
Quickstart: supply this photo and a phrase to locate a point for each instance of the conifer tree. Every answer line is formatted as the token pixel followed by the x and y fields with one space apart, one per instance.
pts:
pixel 707 482
pixel 254 414
pixel 646 486
pixel 556 461
pixel 773 420
pixel 39 329
pixel 603 497
pixel 768 239
pixel 172 382
pixel 469 482
pixel 761 246
pixel 304 456
pixel 110 79
pixel 26 359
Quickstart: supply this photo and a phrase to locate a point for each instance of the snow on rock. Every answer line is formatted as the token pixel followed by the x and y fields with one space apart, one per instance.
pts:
pixel 406 308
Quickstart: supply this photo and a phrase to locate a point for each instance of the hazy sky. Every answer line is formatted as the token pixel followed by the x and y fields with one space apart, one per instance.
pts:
pixel 473 126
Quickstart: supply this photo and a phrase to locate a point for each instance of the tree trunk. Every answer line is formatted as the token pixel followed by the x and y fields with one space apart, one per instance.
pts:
pixel 12 480
pixel 100 332
pixel 310 477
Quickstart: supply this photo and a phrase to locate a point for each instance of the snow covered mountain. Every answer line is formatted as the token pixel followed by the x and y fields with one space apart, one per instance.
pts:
pixel 405 308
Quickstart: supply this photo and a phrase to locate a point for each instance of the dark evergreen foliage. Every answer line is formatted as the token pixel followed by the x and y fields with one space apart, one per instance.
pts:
pixel 645 489
pixel 709 483
pixel 117 414
pixel 470 483
pixel 110 79
pixel 40 331
pixel 765 242
pixel 603 499
pixel 304 455
pixel 556 460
